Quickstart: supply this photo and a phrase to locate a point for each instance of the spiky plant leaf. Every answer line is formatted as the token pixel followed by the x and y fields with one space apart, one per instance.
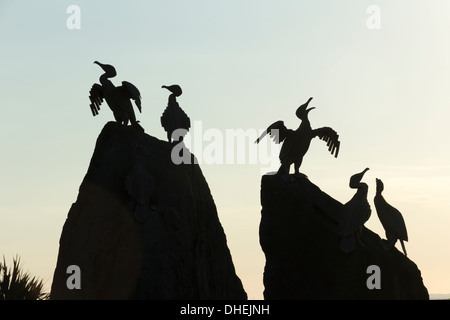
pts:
pixel 18 285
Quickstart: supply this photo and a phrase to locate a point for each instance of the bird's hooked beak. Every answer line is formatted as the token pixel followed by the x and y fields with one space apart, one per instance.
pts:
pixel 109 69
pixel 306 105
pixel 356 179
pixel 175 89
pixel 100 64
pixel 302 111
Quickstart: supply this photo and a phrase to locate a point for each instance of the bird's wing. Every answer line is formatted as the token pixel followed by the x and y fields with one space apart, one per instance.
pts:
pixel 277 131
pixel 392 219
pixel 330 137
pixel 401 227
pixel 133 93
pixel 96 97
pixel 354 214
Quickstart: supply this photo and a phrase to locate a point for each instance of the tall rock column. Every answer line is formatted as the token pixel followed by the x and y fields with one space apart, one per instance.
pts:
pixel 143 227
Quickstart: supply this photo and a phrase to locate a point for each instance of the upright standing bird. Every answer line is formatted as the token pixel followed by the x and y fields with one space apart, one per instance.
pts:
pixel 391 219
pixel 296 143
pixel 173 117
pixel 354 214
pixel 117 98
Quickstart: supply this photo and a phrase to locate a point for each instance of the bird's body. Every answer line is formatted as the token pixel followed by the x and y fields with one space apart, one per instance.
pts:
pixel 296 142
pixel 117 98
pixel 296 145
pixel 173 117
pixel 354 214
pixel 391 219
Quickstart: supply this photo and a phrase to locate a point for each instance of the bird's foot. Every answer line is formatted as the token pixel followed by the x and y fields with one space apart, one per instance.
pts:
pixel 285 176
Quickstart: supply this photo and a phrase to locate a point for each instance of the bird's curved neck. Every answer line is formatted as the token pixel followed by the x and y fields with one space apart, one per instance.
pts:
pixel 378 192
pixel 360 185
pixel 172 100
pixel 104 78
pixel 305 123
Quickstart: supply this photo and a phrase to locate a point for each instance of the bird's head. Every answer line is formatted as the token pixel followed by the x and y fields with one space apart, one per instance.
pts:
pixel 302 111
pixel 110 71
pixel 380 185
pixel 356 178
pixel 175 89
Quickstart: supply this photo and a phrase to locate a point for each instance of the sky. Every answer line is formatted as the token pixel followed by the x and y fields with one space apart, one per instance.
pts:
pixel 378 71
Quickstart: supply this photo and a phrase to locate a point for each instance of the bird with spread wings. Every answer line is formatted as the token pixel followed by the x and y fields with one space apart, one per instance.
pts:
pixel 296 142
pixel 117 98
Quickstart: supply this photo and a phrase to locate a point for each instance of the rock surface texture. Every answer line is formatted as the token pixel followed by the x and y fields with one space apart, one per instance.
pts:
pixel 299 234
pixel 143 227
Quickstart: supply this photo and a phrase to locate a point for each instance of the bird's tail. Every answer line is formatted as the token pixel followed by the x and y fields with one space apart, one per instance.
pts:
pixel 403 247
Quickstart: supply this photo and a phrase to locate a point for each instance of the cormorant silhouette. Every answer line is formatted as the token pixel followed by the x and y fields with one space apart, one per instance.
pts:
pixel 354 214
pixel 117 98
pixel 391 219
pixel 296 143
pixel 174 117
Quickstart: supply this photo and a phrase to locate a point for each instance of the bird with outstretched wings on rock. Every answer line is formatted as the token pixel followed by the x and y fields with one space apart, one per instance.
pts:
pixel 296 142
pixel 118 98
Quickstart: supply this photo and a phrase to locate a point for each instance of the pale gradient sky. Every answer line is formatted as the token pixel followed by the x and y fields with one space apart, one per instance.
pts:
pixel 242 65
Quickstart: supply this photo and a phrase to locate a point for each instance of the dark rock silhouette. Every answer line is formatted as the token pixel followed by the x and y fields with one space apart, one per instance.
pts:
pixel 173 117
pixel 300 236
pixel 143 227
pixel 117 98
pixel 296 142
pixel 354 214
pixel 391 219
